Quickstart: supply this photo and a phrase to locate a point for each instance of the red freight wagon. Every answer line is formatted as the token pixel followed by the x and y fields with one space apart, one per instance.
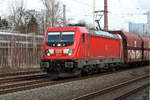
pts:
pixel 146 48
pixel 132 46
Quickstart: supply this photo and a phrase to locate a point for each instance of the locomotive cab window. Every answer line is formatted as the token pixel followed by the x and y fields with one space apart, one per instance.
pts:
pixel 83 37
pixel 60 39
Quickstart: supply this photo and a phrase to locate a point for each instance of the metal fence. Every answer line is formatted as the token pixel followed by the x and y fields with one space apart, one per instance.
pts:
pixel 20 50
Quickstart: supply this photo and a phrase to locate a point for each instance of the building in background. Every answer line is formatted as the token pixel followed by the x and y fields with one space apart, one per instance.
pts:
pixel 148 21
pixel 141 28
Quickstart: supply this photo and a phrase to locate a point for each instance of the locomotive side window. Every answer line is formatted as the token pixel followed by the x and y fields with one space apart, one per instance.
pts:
pixel 83 37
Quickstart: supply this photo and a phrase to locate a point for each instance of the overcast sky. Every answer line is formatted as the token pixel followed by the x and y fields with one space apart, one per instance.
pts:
pixel 120 11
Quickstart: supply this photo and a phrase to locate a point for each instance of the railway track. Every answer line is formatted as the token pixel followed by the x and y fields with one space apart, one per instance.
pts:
pixel 27 82
pixel 22 78
pixel 14 84
pixel 90 96
pixel 131 92
pixel 20 73
pixel 24 86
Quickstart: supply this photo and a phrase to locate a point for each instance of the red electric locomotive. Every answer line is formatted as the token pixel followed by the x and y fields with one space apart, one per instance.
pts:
pixel 71 51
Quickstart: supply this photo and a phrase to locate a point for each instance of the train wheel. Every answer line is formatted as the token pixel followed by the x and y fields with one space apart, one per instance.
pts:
pixel 113 69
pixel 85 71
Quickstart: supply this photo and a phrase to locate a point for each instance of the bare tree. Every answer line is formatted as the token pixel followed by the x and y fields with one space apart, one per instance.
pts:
pixel 17 11
pixel 53 13
pixel 20 16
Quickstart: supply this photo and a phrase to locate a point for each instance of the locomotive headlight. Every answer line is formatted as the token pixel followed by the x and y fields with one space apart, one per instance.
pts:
pixel 49 52
pixel 66 51
pixel 70 52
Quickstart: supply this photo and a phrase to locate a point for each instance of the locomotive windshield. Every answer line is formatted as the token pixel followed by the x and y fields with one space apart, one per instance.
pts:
pixel 59 39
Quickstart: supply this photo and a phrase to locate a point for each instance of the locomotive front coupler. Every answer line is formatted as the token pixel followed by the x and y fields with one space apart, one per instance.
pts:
pixel 69 64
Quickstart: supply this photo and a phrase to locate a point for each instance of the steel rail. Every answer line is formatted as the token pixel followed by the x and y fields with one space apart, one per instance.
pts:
pixel 21 78
pixel 27 86
pixel 7 86
pixel 108 89
pixel 131 92
pixel 19 73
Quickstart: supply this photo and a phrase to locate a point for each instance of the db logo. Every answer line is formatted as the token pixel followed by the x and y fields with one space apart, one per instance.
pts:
pixel 58 52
